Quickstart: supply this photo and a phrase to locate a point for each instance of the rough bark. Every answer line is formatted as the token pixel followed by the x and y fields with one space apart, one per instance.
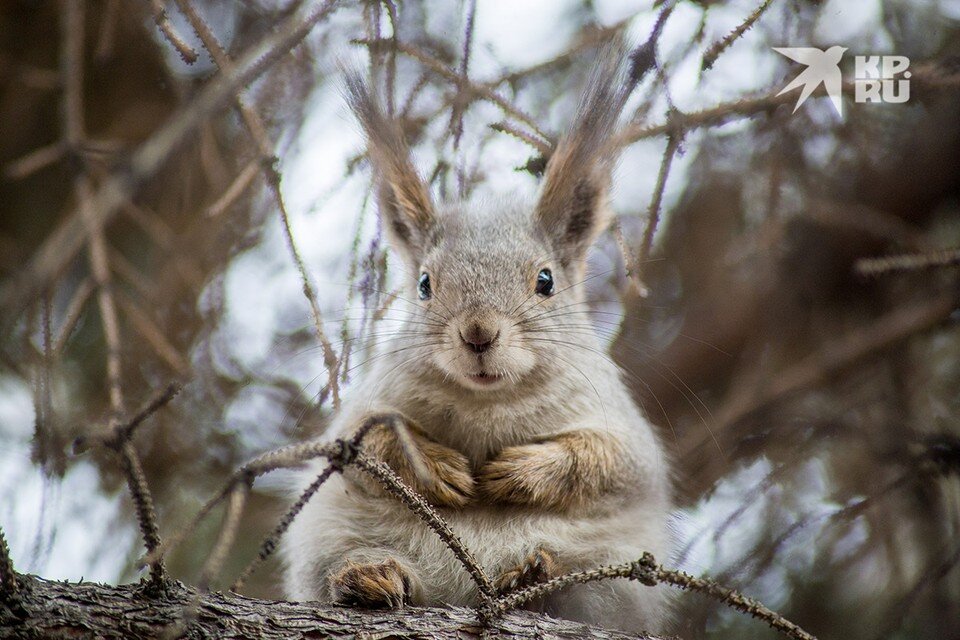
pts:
pixel 51 609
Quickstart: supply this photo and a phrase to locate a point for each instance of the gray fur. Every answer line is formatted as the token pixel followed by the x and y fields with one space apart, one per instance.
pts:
pixel 483 260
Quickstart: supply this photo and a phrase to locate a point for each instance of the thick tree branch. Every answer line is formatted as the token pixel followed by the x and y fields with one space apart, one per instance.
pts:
pixel 87 610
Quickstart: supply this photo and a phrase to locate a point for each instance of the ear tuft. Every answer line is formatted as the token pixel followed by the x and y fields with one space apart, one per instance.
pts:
pixel 405 205
pixel 572 207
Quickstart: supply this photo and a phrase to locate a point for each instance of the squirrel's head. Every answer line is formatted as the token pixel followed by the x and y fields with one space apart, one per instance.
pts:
pixel 498 286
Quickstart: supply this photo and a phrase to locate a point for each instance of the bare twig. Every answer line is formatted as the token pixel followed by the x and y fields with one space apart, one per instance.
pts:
pixel 62 245
pixel 228 531
pixel 269 544
pixel 154 336
pixel 838 353
pixel 718 47
pixel 542 147
pixel 392 483
pixel 187 53
pixel 674 141
pixel 908 262
pixel 236 189
pixel 143 503
pixel 442 70
pixel 268 161
pixel 647 571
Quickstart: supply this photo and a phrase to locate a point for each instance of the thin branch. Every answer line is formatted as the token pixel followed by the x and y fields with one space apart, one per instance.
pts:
pixel 35 161
pixel 269 544
pixel 441 69
pixel 908 262
pixel 154 336
pixel 187 53
pixel 543 148
pixel 268 161
pixel 718 47
pixel 236 189
pixel 62 245
pixel 143 503
pixel 837 353
pixel 416 503
pixel 228 532
pixel 674 141
pixel 647 571
pixel 72 315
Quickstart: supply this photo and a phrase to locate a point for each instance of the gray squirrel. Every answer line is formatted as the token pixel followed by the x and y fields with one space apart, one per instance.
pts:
pixel 536 454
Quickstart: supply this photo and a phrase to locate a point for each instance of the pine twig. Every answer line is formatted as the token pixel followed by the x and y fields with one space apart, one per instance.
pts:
pixel 268 161
pixel 187 53
pixel 908 262
pixel 647 571
pixel 718 47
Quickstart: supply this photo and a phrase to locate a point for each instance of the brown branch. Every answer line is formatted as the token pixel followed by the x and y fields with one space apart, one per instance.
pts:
pixel 718 47
pixel 62 245
pixel 269 544
pixel 228 532
pixel 154 336
pixel 714 116
pixel 268 160
pixel 91 611
pixel 653 212
pixel 35 161
pixel 544 148
pixel 908 262
pixel 236 189
pixel 445 72
pixel 836 354
pixel 647 571
pixel 416 503
pixel 187 53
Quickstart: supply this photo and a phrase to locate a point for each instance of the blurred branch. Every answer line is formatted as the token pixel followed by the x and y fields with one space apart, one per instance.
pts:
pixel 63 243
pixel 187 53
pixel 471 89
pixel 268 165
pixel 718 47
pixel 908 262
pixel 835 354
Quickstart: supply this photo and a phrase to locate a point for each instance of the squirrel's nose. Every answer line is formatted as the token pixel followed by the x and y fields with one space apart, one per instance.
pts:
pixel 478 339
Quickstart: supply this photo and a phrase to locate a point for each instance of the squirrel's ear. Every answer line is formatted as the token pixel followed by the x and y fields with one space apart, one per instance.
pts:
pixel 572 207
pixel 404 201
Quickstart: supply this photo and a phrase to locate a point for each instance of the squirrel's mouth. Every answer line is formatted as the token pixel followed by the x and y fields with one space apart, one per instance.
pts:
pixel 485 379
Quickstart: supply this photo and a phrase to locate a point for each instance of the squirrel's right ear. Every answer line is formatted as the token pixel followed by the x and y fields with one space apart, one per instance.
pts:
pixel 404 201
pixel 572 207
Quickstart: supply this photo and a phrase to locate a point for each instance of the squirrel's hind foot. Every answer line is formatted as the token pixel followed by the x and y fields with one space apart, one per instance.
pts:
pixel 538 567
pixel 380 585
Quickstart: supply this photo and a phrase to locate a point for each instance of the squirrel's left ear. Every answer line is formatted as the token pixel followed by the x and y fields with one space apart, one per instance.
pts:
pixel 405 207
pixel 573 204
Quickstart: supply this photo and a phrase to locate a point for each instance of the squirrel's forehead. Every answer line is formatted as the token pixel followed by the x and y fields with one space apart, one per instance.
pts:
pixel 490 239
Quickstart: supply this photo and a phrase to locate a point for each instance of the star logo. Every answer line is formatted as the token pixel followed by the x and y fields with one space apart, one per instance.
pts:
pixel 823 67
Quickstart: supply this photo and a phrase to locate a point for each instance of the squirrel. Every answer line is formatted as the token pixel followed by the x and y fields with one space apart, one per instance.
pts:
pixel 533 449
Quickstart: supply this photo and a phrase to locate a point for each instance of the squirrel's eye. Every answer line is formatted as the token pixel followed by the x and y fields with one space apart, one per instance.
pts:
pixel 545 282
pixel 423 286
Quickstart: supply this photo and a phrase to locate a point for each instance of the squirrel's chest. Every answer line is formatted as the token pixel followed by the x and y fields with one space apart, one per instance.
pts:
pixel 480 431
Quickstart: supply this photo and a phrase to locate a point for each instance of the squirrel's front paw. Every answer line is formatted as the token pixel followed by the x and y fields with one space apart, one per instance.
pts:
pixel 537 567
pixel 382 585
pixel 530 474
pixel 450 482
